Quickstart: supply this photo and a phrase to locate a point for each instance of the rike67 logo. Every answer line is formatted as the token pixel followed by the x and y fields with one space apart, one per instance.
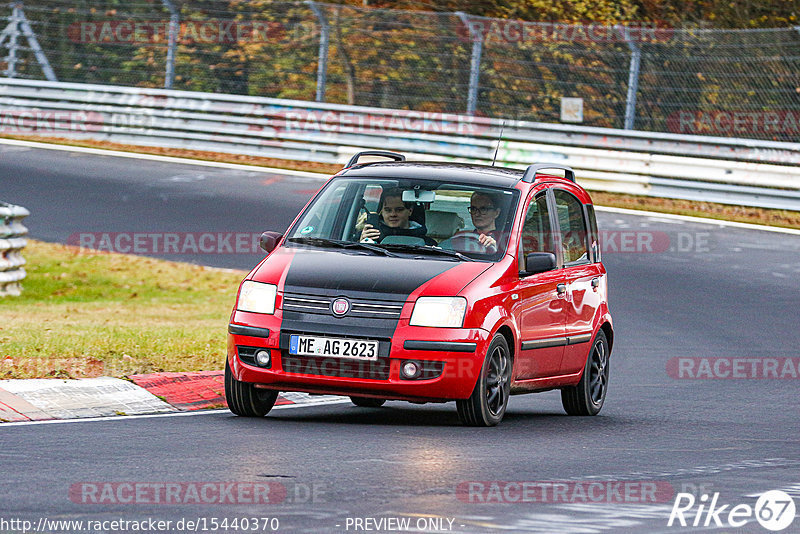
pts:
pixel 775 510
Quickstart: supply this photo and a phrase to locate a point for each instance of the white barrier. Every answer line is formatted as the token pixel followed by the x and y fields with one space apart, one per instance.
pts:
pixel 11 244
pixel 733 171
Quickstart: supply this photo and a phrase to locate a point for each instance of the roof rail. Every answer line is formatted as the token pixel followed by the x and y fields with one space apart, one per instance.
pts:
pixel 533 170
pixel 384 153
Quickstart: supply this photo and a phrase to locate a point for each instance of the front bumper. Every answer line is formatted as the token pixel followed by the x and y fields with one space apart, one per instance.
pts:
pixel 458 352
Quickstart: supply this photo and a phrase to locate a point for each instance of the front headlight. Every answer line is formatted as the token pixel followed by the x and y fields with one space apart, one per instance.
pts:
pixel 442 312
pixel 257 297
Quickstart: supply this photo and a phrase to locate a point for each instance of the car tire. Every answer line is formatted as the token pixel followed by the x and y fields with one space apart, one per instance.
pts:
pixel 588 396
pixel 246 400
pixel 489 400
pixel 367 402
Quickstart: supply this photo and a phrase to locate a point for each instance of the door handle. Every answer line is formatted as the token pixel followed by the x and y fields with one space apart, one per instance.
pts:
pixel 561 289
pixel 595 282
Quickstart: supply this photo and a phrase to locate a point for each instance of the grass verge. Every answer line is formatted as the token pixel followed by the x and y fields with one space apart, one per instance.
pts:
pixel 85 314
pixel 786 219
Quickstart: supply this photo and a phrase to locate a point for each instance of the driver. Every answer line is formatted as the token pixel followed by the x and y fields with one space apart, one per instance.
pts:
pixel 395 218
pixel 484 208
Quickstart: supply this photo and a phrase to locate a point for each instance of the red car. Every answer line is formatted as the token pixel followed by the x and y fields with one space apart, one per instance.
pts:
pixel 428 282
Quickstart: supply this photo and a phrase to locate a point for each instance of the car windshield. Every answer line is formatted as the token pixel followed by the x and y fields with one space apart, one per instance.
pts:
pixel 410 216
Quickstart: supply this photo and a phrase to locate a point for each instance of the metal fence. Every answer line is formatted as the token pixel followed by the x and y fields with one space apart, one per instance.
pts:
pixel 733 171
pixel 12 241
pixel 737 83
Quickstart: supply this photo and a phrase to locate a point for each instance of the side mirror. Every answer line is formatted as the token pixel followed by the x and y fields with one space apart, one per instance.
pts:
pixel 539 262
pixel 269 240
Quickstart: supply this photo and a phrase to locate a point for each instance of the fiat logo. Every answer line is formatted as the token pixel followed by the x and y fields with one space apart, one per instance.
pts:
pixel 340 306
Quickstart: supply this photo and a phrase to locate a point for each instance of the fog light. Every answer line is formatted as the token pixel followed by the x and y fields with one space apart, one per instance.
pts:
pixel 263 358
pixel 411 369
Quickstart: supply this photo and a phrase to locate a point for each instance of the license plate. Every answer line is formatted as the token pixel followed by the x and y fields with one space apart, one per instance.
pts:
pixel 330 347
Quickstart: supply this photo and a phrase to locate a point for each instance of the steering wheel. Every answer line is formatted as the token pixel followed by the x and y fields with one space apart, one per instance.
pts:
pixel 466 242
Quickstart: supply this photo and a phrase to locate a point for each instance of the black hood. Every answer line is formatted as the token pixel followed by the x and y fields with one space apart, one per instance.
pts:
pixel 357 274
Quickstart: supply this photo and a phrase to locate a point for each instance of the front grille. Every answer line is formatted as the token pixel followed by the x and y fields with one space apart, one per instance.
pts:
pixel 306 304
pixel 360 308
pixel 335 367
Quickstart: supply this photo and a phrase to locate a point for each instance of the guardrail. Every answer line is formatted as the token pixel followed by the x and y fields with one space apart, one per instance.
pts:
pixel 11 244
pixel 733 171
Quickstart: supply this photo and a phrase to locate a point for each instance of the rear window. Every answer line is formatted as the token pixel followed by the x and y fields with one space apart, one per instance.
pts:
pixel 594 240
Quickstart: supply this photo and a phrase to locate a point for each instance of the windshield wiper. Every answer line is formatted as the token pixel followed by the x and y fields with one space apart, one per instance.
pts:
pixel 316 241
pixel 322 242
pixel 368 246
pixel 428 249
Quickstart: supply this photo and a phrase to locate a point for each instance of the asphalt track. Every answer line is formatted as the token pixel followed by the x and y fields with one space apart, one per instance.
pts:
pixel 720 292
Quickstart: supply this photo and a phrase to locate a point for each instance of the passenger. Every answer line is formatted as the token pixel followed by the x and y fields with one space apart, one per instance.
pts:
pixel 484 208
pixel 394 219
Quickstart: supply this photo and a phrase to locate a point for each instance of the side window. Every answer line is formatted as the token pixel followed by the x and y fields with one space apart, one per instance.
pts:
pixel 573 227
pixel 594 240
pixel 536 230
pixel 320 221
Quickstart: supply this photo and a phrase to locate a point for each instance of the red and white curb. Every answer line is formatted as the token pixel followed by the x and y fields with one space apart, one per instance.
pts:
pixel 75 399
pixel 41 399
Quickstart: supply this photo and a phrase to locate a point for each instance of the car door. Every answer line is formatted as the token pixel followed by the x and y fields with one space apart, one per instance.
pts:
pixel 578 243
pixel 541 307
